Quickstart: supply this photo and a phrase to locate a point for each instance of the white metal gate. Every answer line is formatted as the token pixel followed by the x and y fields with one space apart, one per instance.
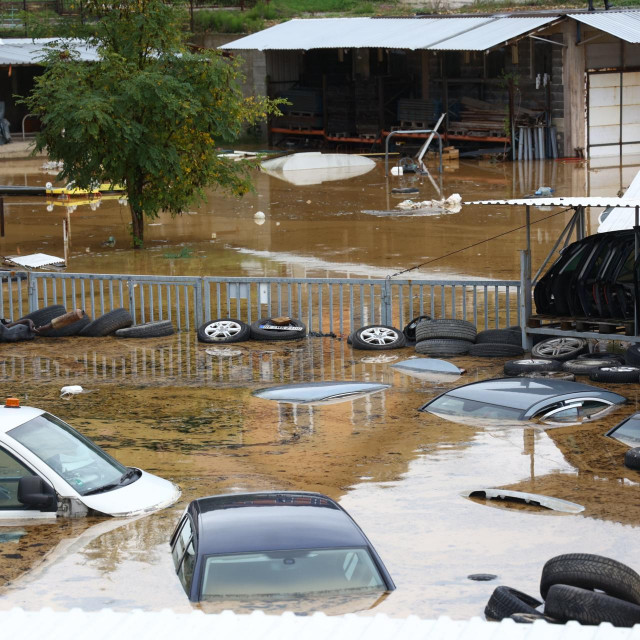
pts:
pixel 613 114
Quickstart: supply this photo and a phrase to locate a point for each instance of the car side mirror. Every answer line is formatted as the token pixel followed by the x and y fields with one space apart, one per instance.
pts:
pixel 33 491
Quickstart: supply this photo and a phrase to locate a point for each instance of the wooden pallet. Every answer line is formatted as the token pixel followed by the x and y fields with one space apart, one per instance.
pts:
pixel 605 326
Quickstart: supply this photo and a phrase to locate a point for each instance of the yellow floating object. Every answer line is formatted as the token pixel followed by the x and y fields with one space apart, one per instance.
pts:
pixel 71 191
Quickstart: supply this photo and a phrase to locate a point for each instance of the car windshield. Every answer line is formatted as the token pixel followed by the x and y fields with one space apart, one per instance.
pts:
pixel 290 572
pixel 628 432
pixel 447 405
pixel 78 460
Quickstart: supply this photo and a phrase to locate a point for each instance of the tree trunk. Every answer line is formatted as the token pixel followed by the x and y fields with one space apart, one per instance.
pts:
pixel 137 227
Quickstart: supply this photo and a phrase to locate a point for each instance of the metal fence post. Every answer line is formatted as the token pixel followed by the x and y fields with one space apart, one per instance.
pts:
pixel 386 303
pixel 198 311
pixel 32 292
pixel 525 297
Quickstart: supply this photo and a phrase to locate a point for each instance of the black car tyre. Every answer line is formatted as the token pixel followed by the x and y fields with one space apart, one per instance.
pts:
pixel 516 367
pixel 632 459
pixel 446 328
pixel 566 603
pixel 72 329
pixel 602 355
pixel 632 355
pixel 147 330
pixel 499 336
pixel 505 601
pixel 584 366
pixel 258 331
pixel 224 330
pixel 107 324
pixel 560 348
pixel 410 330
pixel 45 315
pixel 497 350
pixel 614 374
pixel 442 347
pixel 550 375
pixel 377 337
pixel 589 571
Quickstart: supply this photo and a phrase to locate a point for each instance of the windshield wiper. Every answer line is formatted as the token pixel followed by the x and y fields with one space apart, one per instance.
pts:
pixel 114 485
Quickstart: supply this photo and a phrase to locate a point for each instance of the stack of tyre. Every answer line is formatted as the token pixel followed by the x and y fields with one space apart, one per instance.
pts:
pixel 455 337
pixel 577 586
pixel 118 322
pixel 568 357
pixel 228 330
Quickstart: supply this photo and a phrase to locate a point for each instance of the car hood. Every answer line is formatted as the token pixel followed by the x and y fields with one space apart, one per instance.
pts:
pixel 147 493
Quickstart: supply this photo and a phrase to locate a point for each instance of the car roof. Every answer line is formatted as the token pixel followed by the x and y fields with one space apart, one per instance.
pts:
pixel 272 521
pixel 11 417
pixel 525 393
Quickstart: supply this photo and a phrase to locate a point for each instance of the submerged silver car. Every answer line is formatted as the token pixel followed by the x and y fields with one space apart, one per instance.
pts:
pixel 515 399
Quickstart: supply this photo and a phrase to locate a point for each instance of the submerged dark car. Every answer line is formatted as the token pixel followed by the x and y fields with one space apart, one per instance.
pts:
pixel 510 399
pixel 273 544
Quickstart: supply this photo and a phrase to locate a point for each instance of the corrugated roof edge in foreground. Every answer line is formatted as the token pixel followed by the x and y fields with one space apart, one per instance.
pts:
pixel 140 625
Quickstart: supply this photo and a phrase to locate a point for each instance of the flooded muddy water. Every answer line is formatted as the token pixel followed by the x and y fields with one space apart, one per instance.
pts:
pixel 169 407
pixel 344 228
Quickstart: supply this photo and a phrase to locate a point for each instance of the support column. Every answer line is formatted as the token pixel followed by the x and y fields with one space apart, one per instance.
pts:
pixel 573 79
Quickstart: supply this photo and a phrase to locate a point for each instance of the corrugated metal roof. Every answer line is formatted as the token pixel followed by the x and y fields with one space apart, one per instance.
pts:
pixel 159 625
pixel 562 201
pixel 469 33
pixel 17 51
pixel 36 260
pixel 621 24
pixel 489 35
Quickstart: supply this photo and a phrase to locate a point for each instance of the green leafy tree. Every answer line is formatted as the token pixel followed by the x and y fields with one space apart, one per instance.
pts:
pixel 147 113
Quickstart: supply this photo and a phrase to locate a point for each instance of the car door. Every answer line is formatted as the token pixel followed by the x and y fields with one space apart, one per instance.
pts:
pixel 12 470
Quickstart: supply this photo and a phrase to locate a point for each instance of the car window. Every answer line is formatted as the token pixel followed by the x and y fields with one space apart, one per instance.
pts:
pixel 11 470
pixel 182 539
pixel 185 572
pixel 450 405
pixel 289 572
pixel 576 410
pixel 628 432
pixel 79 461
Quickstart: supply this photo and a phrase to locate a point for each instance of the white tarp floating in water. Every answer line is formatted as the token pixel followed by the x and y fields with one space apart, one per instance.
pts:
pixel 314 167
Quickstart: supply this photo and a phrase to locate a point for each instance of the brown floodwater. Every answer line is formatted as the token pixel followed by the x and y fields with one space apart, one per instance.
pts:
pixel 342 228
pixel 169 407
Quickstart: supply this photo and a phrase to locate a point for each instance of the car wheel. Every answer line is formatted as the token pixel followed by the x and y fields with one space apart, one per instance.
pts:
pixel 224 330
pixel 377 337
pixel 589 607
pixel 585 366
pixel 505 601
pixel 496 350
pixel 443 347
pixel 265 330
pixel 589 571
pixel 499 336
pixel 447 328
pixel 602 355
pixel 72 329
pixel 410 330
pixel 615 374
pixel 553 375
pixel 632 459
pixel 516 367
pixel 560 348
pixel 147 330
pixel 45 315
pixel 109 323
pixel 632 355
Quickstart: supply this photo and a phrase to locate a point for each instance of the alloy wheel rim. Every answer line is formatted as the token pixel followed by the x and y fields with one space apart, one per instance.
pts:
pixel 379 336
pixel 221 330
pixel 560 346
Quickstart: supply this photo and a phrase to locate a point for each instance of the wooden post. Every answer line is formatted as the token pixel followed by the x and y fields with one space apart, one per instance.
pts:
pixel 573 78
pixel 1 217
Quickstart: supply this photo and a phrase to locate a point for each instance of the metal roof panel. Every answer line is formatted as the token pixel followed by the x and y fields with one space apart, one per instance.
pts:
pixel 491 34
pixel 621 24
pixel 27 51
pixel 561 201
pixel 390 33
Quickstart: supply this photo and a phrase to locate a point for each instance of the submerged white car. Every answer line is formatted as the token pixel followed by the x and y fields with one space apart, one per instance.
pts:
pixel 48 469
